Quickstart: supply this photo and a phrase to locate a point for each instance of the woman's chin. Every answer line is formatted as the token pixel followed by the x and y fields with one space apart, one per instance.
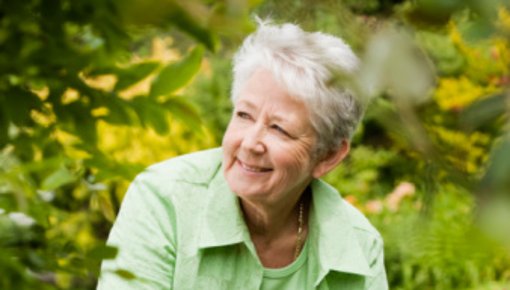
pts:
pixel 246 191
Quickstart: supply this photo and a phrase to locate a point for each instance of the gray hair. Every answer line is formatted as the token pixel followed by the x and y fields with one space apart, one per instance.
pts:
pixel 308 65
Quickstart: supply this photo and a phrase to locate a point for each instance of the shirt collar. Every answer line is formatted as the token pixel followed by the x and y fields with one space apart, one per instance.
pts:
pixel 336 244
pixel 222 222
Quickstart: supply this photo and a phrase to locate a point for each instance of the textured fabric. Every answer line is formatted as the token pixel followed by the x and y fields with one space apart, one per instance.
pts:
pixel 180 227
pixel 293 276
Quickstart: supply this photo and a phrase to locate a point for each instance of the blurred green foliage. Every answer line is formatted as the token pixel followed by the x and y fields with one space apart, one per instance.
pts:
pixel 91 92
pixel 86 87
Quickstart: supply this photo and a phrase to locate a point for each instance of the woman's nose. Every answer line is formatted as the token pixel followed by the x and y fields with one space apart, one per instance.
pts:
pixel 253 139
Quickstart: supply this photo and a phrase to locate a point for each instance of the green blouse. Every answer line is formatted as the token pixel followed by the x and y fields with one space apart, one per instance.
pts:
pixel 180 227
pixel 293 276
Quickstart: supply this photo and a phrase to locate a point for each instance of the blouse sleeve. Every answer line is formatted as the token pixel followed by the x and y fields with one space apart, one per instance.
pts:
pixel 144 233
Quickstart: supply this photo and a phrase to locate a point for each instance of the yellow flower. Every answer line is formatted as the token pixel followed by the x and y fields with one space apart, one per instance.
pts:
pixel 487 59
pixel 457 93
pixel 467 152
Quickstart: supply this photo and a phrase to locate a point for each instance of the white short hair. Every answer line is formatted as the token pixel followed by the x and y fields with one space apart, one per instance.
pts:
pixel 308 65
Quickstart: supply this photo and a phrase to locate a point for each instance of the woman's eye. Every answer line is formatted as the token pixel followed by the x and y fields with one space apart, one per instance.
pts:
pixel 243 115
pixel 280 130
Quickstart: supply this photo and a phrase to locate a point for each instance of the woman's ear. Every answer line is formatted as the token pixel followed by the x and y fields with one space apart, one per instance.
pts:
pixel 331 160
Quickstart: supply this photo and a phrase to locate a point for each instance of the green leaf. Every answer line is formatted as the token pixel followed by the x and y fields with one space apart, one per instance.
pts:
pixel 151 114
pixel 162 13
pixel 176 75
pixel 61 176
pixel 86 130
pixel 185 111
pixel 133 74
pixel 478 30
pixel 102 70
pixel 484 111
pixel 20 103
pixel 182 19
pixel 119 111
pixel 498 172
pixel 436 11
pixel 443 51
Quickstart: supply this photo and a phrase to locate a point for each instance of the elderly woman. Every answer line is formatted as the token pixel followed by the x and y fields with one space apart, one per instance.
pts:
pixel 254 214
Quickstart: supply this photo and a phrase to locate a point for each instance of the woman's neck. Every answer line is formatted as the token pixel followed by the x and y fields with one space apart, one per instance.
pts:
pixel 274 229
pixel 269 220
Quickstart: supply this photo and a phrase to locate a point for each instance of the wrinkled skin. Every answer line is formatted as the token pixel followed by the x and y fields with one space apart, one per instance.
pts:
pixel 268 143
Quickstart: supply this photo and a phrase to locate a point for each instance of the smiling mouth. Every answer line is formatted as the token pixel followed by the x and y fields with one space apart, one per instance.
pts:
pixel 253 168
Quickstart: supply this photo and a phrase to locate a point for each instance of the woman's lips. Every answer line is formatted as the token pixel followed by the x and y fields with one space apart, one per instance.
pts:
pixel 253 168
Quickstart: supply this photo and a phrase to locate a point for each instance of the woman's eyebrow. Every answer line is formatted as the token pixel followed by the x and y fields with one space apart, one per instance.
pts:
pixel 280 118
pixel 246 103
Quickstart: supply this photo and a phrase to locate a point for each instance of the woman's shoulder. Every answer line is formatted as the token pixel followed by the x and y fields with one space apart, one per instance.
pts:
pixel 357 220
pixel 196 167
pixel 180 178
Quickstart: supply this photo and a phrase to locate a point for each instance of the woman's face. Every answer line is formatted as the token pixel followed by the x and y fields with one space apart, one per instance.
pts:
pixel 268 143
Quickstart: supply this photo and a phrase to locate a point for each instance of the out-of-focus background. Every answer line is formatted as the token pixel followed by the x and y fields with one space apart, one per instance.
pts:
pixel 93 91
